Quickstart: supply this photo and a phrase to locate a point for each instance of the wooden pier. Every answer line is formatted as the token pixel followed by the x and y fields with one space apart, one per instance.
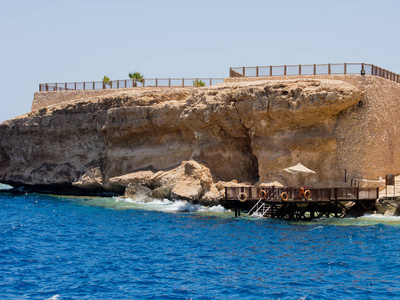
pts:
pixel 301 203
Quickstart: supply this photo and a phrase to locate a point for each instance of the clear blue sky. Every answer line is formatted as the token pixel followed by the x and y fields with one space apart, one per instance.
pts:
pixel 83 40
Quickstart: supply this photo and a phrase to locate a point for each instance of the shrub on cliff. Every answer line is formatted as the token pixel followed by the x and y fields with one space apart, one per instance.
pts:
pixel 199 83
pixel 106 80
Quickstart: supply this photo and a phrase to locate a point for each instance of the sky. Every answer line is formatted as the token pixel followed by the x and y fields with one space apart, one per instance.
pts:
pixel 47 41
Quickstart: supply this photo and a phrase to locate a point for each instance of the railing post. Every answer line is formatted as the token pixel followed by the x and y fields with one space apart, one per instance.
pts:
pixel 169 82
pixel 345 68
pixel 74 85
pixel 299 69
pixel 257 72
pixel 94 85
pixel 315 69
pixel 244 71
pixel 117 84
pixel 362 67
pixel 329 69
pixel 210 81
pixel 284 70
pixel 56 86
pixel 65 86
pixel 183 81
pixel 84 86
pixel 47 87
pixel 156 82
pixel 270 71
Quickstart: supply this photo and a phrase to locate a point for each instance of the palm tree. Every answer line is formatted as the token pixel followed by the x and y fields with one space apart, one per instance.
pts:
pixel 106 80
pixel 136 76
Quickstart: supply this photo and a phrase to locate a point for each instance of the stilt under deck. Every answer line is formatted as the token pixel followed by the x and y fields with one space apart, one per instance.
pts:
pixel 299 203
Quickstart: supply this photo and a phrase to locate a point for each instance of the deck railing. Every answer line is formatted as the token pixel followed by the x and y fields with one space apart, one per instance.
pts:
pixel 129 83
pixel 316 69
pixel 316 194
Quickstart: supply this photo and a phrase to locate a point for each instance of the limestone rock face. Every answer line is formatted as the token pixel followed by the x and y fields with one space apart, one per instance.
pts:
pixel 244 129
pixel 92 179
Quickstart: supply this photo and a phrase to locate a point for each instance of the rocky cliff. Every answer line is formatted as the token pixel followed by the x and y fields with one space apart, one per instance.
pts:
pixel 244 129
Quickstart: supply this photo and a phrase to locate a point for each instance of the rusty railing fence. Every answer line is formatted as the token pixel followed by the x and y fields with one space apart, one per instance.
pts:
pixel 316 69
pixel 128 83
pixel 317 194
pixel 260 71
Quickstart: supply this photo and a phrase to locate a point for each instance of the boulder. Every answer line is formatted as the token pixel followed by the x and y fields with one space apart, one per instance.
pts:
pixel 138 192
pixel 119 183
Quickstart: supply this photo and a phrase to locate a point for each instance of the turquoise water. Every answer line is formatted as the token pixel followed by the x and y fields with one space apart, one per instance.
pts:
pixel 108 248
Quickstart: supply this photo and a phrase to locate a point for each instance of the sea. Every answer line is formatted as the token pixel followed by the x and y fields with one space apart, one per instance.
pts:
pixel 64 247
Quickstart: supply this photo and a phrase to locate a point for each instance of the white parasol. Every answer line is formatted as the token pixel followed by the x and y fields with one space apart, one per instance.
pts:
pixel 299 168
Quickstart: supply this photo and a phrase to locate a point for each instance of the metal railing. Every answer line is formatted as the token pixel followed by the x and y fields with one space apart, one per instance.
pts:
pixel 316 69
pixel 316 194
pixel 129 83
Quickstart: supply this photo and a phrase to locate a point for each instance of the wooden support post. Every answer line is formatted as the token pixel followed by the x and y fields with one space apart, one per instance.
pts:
pixel 169 82
pixel 270 70
pixel 210 81
pixel 315 69
pixel 284 70
pixel 56 86
pixel 291 211
pixel 183 82
pixel 362 67
pixel 345 71
pixel 65 86
pixel 257 72
pixel 244 71
pixel 329 69
pixel 312 211
pixel 156 81
pixel 299 69
pixel 336 209
pixel 117 84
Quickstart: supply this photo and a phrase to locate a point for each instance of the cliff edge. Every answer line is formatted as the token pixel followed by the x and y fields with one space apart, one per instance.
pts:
pixel 246 129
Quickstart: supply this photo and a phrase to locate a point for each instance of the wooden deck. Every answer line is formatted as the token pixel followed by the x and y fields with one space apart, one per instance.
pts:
pixel 301 203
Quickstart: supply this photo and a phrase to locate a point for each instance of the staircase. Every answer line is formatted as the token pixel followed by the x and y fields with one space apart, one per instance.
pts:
pixel 262 209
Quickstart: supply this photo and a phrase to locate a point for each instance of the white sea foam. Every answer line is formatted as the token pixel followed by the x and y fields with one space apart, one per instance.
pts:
pixel 5 186
pixel 154 204
pixel 55 297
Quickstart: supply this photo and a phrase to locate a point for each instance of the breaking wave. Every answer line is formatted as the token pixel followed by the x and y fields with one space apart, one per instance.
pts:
pixel 153 204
